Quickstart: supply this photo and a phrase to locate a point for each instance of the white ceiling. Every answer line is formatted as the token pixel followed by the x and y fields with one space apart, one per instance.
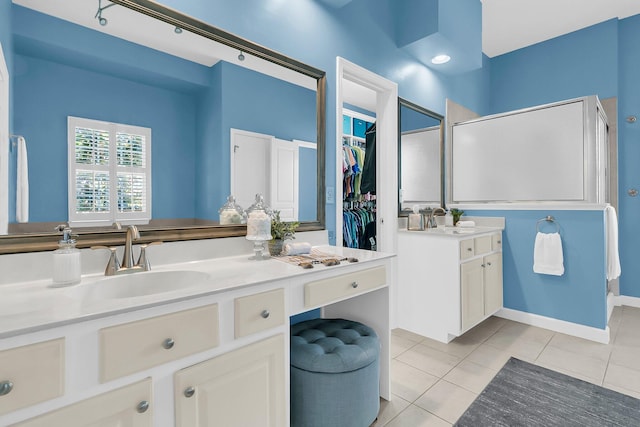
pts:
pixel 508 25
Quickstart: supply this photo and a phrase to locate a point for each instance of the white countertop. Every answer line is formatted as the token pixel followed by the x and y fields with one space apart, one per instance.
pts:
pixel 457 232
pixel 32 306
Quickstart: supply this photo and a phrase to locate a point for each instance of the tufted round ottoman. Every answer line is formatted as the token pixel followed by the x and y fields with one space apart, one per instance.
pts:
pixel 334 374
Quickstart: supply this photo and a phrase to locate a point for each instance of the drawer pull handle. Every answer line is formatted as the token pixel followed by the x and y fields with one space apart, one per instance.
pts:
pixel 189 391
pixel 488 263
pixel 354 285
pixel 5 387
pixel 469 249
pixel 265 314
pixel 168 343
pixel 142 407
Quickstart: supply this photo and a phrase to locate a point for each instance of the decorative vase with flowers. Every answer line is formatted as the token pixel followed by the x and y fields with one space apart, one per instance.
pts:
pixel 280 231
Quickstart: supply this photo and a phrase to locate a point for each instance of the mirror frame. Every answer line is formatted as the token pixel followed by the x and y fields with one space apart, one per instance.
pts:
pixel 49 241
pixel 406 103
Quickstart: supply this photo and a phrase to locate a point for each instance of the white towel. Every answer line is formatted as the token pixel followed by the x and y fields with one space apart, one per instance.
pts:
pixel 547 254
pixel 613 257
pixel 296 248
pixel 467 223
pixel 22 183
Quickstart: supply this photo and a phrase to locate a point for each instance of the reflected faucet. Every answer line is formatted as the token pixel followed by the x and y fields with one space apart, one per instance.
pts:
pixel 127 257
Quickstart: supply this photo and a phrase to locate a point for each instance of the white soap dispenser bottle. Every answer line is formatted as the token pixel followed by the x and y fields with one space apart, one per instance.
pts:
pixel 66 260
pixel 448 219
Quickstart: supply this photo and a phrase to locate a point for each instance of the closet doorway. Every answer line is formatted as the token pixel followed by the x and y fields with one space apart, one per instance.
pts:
pixel 360 88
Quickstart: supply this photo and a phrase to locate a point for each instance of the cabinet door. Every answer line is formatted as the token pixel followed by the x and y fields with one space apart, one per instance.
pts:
pixel 244 387
pixel 492 283
pixel 127 406
pixel 31 374
pixel 472 293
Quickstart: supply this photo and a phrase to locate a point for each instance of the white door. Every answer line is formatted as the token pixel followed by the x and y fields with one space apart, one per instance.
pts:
pixel 284 179
pixel 4 144
pixel 250 165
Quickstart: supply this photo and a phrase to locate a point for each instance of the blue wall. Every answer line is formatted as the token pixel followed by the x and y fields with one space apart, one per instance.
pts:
pixel 574 65
pixel 629 154
pixel 578 295
pixel 49 92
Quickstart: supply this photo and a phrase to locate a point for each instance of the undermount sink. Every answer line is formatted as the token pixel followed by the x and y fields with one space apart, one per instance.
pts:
pixel 145 283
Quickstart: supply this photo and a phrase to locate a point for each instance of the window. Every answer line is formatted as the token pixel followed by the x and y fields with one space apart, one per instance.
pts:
pixel 109 173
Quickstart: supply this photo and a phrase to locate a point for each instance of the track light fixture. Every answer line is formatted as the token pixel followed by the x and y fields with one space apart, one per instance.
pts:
pixel 241 56
pixel 177 30
pixel 101 20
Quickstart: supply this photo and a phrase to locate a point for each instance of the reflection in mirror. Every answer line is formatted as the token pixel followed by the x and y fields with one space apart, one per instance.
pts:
pixel 192 94
pixel 420 158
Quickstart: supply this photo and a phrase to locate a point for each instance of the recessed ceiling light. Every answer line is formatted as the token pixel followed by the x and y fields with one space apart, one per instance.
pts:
pixel 440 59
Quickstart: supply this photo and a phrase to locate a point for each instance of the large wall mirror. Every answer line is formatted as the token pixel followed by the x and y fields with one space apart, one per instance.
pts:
pixel 214 104
pixel 420 158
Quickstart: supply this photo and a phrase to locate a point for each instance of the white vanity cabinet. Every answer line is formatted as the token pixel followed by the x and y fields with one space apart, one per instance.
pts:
pixel 217 357
pixel 448 282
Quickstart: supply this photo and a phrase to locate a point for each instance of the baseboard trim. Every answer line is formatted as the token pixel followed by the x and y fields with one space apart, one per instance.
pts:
pixel 569 328
pixel 626 300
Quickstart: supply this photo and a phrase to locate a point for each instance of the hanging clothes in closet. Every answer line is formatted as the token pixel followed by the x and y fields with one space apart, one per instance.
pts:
pixel 357 220
pixel 368 184
pixel 352 164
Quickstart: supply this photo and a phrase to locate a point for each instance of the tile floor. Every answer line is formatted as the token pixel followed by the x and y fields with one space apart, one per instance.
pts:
pixel 433 383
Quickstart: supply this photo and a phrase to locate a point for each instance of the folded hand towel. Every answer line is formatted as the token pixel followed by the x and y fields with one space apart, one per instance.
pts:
pixel 296 248
pixel 613 257
pixel 469 224
pixel 22 183
pixel 547 254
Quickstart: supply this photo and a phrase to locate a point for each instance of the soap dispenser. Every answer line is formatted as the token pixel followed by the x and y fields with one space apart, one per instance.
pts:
pixel 66 260
pixel 448 219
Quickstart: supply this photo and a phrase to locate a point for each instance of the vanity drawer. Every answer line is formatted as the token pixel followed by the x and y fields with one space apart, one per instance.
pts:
pixel 324 291
pixel 258 312
pixel 482 245
pixel 31 374
pixel 496 242
pixel 135 346
pixel 466 249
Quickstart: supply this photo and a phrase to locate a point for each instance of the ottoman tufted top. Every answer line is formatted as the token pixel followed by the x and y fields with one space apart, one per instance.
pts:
pixel 332 345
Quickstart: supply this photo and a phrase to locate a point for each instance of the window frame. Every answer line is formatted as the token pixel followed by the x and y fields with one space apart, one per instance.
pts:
pixel 95 219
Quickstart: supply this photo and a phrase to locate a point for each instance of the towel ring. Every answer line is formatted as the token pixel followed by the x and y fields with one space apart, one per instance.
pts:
pixel 549 218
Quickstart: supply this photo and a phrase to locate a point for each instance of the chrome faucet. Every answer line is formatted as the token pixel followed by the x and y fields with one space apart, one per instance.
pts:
pixel 127 257
pixel 432 216
pixel 113 265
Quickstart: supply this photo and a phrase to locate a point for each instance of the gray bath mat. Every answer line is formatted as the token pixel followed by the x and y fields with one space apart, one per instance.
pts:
pixel 526 395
